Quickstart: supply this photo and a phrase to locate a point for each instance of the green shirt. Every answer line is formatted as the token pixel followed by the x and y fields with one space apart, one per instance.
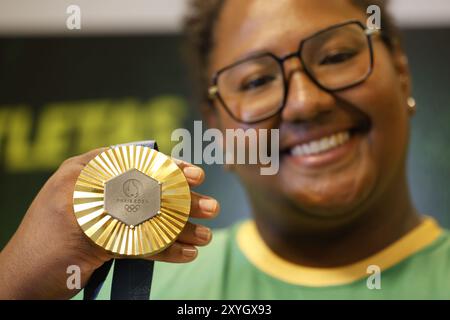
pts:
pixel 238 265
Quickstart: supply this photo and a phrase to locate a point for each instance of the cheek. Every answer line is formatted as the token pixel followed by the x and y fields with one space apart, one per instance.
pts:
pixel 250 174
pixel 225 121
pixel 381 98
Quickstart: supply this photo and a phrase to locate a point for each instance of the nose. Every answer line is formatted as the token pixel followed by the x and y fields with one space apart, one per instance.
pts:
pixel 305 100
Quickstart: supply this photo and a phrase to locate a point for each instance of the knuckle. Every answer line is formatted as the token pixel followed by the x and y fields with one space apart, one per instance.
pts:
pixel 68 161
pixel 63 179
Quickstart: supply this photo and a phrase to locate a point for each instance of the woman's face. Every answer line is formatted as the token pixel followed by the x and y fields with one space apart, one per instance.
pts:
pixel 337 182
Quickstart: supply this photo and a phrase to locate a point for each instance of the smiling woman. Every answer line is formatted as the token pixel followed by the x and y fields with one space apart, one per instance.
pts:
pixel 340 206
pixel 339 97
pixel 336 222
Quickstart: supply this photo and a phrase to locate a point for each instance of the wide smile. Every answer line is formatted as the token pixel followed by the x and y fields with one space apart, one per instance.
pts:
pixel 325 151
pixel 321 146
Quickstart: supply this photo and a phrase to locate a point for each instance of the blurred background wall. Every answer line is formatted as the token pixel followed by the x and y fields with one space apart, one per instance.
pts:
pixel 122 78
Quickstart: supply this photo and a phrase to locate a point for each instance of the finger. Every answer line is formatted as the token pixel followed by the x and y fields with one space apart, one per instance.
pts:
pixel 88 156
pixel 194 175
pixel 203 206
pixel 195 234
pixel 70 169
pixel 83 159
pixel 177 253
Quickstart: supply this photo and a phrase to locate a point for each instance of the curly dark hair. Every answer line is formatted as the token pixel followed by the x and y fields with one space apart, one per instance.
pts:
pixel 199 26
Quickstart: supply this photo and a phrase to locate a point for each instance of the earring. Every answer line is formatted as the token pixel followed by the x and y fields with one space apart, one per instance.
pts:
pixel 412 105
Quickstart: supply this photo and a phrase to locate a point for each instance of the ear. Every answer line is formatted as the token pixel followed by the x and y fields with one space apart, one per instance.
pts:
pixel 402 67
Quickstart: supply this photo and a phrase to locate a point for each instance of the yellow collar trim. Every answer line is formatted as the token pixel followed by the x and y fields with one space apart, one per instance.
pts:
pixel 264 259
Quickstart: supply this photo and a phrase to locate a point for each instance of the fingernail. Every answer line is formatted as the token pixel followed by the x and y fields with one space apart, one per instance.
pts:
pixel 208 205
pixel 177 161
pixel 189 252
pixel 203 233
pixel 193 173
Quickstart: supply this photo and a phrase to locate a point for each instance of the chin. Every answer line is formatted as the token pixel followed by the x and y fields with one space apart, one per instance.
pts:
pixel 329 206
pixel 332 189
pixel 337 196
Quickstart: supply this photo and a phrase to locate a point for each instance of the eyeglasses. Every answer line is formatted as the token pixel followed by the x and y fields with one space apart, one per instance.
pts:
pixel 256 88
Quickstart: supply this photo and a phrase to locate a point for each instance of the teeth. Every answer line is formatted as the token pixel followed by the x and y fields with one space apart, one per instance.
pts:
pixel 322 145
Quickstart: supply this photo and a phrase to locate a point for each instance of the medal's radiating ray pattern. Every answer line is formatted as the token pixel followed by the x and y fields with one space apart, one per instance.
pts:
pixel 154 234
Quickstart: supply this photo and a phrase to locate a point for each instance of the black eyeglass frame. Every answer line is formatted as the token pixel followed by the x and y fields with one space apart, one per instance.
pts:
pixel 213 90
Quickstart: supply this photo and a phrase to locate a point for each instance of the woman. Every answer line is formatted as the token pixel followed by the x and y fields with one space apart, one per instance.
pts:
pixel 337 221
pixel 339 209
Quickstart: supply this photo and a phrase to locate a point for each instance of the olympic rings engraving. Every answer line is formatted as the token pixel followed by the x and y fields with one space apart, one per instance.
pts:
pixel 132 207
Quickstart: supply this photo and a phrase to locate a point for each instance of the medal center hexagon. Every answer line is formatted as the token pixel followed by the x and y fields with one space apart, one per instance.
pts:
pixel 132 197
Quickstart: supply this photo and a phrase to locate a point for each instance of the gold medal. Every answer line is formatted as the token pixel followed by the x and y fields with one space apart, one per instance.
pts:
pixel 132 201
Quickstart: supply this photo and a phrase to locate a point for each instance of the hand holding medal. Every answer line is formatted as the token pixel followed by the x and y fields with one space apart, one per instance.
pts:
pixel 134 202
pixel 50 238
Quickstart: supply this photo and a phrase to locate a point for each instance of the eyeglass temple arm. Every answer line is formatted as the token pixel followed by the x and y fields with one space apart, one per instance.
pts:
pixel 212 91
pixel 371 31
